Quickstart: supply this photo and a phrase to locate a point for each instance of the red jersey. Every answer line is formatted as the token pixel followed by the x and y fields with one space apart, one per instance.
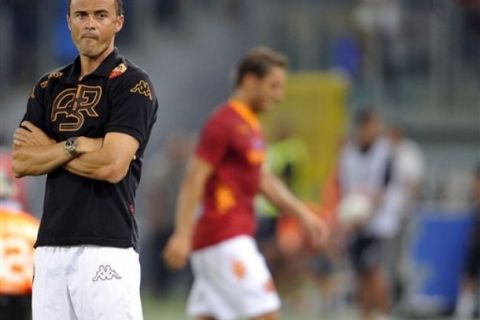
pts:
pixel 232 142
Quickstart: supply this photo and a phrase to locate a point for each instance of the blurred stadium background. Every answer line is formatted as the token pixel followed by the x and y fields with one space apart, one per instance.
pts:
pixel 417 61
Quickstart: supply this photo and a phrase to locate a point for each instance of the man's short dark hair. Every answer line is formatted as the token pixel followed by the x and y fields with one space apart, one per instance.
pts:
pixel 364 115
pixel 259 61
pixel 118 3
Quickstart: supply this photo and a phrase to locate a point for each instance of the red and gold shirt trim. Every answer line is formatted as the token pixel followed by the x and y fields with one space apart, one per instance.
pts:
pixel 245 113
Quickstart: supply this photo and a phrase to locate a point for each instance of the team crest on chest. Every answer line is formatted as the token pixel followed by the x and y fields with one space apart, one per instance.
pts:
pixel 72 105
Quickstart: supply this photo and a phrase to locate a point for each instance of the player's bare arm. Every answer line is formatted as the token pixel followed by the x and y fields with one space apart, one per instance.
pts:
pixel 35 153
pixel 109 163
pixel 277 193
pixel 179 245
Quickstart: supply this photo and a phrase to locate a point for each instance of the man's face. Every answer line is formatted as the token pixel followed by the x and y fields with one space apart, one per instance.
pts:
pixel 93 24
pixel 267 90
pixel 370 131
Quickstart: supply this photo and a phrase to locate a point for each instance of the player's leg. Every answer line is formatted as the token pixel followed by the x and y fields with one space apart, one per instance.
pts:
pixel 50 298
pixel 373 290
pixel 374 294
pixel 204 303
pixel 239 275
pixel 375 278
pixel 201 301
pixel 105 283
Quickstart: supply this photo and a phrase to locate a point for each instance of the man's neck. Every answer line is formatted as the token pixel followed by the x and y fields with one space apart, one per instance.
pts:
pixel 243 98
pixel 90 64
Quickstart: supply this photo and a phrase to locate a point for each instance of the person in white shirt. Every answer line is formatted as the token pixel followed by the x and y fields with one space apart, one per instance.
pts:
pixel 408 166
pixel 365 167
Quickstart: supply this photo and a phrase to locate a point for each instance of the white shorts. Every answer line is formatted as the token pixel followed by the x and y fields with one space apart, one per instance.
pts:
pixel 231 281
pixel 86 283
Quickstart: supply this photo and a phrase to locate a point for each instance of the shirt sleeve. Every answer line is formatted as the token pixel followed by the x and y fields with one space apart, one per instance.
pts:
pixel 36 107
pixel 213 142
pixel 133 108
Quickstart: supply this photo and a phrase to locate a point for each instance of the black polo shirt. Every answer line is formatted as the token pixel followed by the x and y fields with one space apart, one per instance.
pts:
pixel 117 97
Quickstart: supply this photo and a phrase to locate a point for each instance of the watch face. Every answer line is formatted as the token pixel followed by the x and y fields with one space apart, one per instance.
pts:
pixel 71 145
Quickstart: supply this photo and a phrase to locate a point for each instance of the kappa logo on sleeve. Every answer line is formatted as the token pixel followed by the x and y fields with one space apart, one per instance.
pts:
pixel 143 88
pixel 106 273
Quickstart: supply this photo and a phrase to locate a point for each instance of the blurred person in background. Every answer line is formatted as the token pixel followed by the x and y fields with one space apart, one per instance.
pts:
pixel 163 177
pixel 86 127
pixel 467 298
pixel 408 169
pixel 231 278
pixel 365 167
pixel 18 231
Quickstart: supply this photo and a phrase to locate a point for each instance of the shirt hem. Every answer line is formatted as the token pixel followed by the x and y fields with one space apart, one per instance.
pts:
pixel 79 242
pixel 206 244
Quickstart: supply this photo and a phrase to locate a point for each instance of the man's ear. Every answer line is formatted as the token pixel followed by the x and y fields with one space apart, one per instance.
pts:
pixel 119 23
pixel 250 80
pixel 68 22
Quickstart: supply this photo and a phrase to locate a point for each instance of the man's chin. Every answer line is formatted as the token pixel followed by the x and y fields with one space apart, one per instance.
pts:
pixel 89 53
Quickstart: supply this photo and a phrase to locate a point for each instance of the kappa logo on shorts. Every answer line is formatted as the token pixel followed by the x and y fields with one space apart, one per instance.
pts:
pixel 106 273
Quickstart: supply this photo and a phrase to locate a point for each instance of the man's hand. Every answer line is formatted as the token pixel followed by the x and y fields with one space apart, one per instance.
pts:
pixel 177 251
pixel 316 229
pixel 28 135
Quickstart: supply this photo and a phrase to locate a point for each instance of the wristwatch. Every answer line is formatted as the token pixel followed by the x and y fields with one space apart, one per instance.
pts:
pixel 71 146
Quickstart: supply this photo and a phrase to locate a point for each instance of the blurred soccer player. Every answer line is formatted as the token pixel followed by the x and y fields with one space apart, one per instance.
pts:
pixel 86 126
pixel 231 277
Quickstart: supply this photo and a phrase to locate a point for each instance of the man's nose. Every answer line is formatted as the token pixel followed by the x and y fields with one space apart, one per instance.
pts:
pixel 90 22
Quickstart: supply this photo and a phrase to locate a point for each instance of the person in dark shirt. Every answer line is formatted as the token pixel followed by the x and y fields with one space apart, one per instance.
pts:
pixel 86 126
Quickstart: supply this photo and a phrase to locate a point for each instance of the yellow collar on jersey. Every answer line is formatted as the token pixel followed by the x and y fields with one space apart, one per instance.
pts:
pixel 245 113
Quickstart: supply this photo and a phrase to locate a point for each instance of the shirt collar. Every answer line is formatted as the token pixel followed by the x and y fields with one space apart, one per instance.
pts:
pixel 245 112
pixel 103 70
